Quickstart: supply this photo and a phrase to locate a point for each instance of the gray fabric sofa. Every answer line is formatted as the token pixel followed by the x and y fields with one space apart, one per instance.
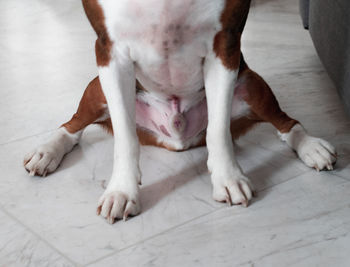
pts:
pixel 329 24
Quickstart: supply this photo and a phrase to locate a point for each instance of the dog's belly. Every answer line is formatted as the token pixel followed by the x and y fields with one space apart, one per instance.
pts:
pixel 171 126
pixel 173 107
pixel 176 128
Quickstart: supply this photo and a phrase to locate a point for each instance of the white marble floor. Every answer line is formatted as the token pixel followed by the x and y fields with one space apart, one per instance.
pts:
pixel 300 217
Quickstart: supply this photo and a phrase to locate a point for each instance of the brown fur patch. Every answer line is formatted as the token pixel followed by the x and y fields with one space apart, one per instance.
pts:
pixel 90 107
pixel 227 42
pixel 241 126
pixel 146 138
pixel 103 45
pixel 139 87
pixel 262 101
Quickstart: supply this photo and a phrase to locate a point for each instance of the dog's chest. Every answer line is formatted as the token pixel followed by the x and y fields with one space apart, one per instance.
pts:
pixel 167 39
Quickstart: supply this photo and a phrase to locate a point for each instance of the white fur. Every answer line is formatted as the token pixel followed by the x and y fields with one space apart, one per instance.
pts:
pixel 121 197
pixel 229 183
pixel 131 24
pixel 105 115
pixel 47 157
pixel 240 108
pixel 314 152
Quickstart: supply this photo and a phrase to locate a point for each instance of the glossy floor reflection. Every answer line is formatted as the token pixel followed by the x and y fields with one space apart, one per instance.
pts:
pixel 300 217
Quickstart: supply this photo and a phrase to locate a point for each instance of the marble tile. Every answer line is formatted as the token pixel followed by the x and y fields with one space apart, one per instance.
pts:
pixel 274 41
pixel 313 100
pixel 267 168
pixel 19 247
pixel 283 53
pixel 47 58
pixel 303 222
pixel 265 135
pixel 342 142
pixel 176 189
pixel 61 208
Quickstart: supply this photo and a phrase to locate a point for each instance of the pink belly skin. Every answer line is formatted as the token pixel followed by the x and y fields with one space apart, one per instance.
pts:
pixel 168 122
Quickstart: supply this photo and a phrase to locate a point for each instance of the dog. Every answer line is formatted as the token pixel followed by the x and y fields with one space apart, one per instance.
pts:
pixel 172 75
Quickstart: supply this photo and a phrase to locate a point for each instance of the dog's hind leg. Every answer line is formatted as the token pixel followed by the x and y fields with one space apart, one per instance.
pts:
pixel 47 157
pixel 314 152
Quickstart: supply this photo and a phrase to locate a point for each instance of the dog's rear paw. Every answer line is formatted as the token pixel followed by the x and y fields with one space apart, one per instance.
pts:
pixel 234 191
pixel 43 160
pixel 317 153
pixel 117 205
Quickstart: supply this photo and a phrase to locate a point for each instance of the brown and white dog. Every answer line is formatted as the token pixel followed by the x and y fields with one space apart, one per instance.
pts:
pixel 172 74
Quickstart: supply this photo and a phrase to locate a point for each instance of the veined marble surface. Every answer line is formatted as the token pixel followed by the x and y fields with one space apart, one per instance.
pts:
pixel 300 218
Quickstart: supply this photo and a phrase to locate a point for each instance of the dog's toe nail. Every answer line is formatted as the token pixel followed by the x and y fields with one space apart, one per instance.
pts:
pixel 98 211
pixel 228 201
pixel 228 197
pixel 125 217
pixel 111 220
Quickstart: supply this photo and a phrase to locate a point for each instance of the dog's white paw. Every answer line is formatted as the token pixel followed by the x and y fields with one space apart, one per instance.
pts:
pixel 47 157
pixel 117 205
pixel 43 160
pixel 233 191
pixel 317 153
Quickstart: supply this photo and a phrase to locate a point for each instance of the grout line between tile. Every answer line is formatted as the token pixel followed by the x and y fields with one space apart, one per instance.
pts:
pixel 181 224
pixel 38 236
pixel 193 219
pixel 151 237
pixel 286 181
pixel 340 177
pixel 146 239
pixel 309 171
pixel 26 137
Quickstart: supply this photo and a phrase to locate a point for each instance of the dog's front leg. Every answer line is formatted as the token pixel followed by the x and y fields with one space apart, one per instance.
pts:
pixel 229 183
pixel 121 198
